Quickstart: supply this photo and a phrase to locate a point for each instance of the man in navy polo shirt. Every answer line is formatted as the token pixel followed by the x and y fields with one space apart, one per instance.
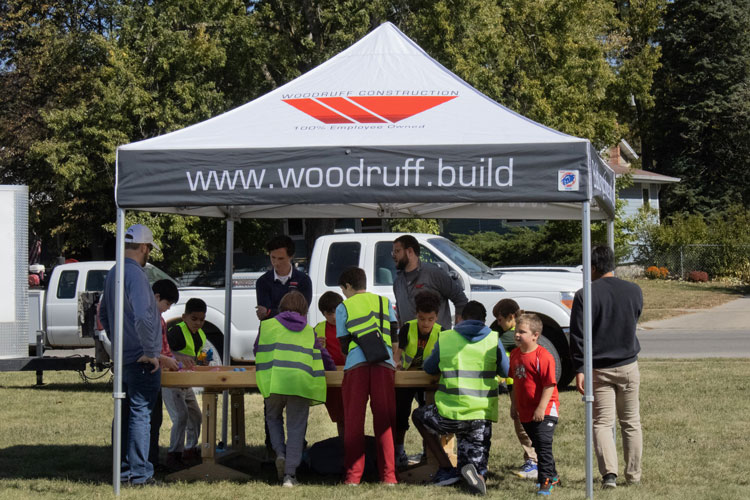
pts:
pixel 281 279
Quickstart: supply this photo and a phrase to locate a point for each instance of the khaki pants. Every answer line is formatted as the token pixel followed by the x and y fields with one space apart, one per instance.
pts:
pixel 616 393
pixel 528 449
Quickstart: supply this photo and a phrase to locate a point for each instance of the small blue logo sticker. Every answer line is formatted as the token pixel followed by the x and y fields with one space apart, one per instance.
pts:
pixel 567 180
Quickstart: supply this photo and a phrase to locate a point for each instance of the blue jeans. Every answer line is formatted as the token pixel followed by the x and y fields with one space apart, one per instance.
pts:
pixel 142 389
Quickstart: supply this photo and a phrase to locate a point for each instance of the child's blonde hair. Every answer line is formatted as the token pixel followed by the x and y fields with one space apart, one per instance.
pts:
pixel 531 319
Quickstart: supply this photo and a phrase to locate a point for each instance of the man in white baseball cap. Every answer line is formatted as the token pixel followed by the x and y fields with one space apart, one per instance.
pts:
pixel 141 337
pixel 138 233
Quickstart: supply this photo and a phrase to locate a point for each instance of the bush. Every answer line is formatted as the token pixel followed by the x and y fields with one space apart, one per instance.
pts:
pixel 698 276
pixel 657 273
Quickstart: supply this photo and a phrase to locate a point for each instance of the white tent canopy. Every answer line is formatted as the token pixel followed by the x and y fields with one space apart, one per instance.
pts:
pixel 381 127
pixel 380 130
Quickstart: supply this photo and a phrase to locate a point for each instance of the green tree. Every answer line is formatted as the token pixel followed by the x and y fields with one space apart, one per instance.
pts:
pixel 701 124
pixel 635 59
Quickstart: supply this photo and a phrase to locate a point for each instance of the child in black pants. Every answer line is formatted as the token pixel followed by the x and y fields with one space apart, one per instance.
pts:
pixel 535 400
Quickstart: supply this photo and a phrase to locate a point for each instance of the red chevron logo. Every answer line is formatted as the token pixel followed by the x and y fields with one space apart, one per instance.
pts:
pixel 366 109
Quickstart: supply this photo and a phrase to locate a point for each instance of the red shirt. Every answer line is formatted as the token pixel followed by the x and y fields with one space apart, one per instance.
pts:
pixel 532 372
pixel 165 350
pixel 333 346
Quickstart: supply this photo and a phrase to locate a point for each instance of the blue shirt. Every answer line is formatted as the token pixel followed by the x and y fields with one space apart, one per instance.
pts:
pixel 141 320
pixel 356 356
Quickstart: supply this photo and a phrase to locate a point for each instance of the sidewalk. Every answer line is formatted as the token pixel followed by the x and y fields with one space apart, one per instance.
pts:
pixel 734 315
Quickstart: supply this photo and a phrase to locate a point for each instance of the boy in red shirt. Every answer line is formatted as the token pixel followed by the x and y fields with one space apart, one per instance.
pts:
pixel 326 333
pixel 535 401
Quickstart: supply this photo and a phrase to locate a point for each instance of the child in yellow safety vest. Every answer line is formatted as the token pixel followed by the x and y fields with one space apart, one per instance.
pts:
pixel 506 312
pixel 290 372
pixel 416 338
pixel 468 358
pixel 186 340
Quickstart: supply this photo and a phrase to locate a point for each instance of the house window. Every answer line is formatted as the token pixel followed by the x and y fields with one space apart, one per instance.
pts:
pixel 646 198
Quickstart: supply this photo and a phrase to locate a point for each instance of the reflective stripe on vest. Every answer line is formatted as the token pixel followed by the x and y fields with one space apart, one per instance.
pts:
pixel 468 377
pixel 412 343
pixel 190 349
pixel 287 362
pixel 320 329
pixel 363 316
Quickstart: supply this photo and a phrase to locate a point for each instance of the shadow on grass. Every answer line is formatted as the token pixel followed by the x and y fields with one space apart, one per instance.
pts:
pixel 85 463
pixel 66 387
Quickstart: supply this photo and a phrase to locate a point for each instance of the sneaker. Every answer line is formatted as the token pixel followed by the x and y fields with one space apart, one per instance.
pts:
pixel 555 481
pixel 528 470
pixel 609 481
pixel 446 476
pixel 280 464
pixel 289 481
pixel 148 482
pixel 402 460
pixel 545 488
pixel 474 479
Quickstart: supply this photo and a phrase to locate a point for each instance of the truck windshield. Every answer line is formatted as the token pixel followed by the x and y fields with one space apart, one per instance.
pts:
pixel 155 274
pixel 460 257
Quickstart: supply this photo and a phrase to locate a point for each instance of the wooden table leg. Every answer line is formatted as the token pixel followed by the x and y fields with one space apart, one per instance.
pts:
pixel 208 470
pixel 238 419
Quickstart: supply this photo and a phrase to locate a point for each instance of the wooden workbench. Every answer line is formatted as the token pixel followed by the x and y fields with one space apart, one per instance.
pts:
pixel 216 379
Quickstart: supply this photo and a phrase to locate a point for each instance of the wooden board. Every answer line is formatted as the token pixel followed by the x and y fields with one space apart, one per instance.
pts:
pixel 224 377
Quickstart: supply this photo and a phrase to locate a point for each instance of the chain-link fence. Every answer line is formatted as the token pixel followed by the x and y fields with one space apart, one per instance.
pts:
pixel 716 260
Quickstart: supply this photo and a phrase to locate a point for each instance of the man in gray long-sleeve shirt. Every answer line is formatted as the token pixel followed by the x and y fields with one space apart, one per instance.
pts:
pixel 415 276
pixel 140 357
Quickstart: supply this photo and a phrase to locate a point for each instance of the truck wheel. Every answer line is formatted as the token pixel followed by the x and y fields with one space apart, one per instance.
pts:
pixel 216 338
pixel 555 335
pixel 547 344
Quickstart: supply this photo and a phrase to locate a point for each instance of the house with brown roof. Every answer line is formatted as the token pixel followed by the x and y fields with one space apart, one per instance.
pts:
pixel 646 185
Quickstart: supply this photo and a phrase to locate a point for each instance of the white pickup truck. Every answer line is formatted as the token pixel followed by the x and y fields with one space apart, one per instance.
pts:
pixel 547 293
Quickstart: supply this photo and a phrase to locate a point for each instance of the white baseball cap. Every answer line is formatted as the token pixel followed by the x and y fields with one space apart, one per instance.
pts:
pixel 138 233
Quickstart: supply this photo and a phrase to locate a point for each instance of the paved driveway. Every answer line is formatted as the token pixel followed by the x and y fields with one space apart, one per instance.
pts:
pixel 722 331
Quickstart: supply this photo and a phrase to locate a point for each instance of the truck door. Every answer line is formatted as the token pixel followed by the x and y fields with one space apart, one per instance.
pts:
pixel 340 256
pixel 62 308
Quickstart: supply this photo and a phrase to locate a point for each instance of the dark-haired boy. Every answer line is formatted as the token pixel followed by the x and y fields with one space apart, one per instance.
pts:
pixel 166 294
pixel 468 359
pixel 415 342
pixel 186 339
pixel 326 333
pixel 360 314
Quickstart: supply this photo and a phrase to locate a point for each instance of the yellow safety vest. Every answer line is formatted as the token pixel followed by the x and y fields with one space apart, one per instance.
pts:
pixel 468 377
pixel 288 363
pixel 363 316
pixel 320 329
pixel 190 348
pixel 413 341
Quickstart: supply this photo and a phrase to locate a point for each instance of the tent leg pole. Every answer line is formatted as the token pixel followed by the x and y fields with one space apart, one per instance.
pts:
pixel 588 382
pixel 226 357
pixel 117 393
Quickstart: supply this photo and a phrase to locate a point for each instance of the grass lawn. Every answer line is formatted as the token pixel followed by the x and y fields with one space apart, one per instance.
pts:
pixel 665 298
pixel 55 443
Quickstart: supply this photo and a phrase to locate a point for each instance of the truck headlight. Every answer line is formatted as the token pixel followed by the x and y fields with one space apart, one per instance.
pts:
pixel 566 299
